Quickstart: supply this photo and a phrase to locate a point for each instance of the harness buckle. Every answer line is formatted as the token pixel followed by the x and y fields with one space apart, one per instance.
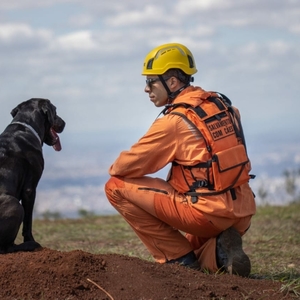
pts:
pixel 200 184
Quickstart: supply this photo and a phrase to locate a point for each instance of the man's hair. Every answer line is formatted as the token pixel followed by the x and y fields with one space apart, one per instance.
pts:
pixel 179 74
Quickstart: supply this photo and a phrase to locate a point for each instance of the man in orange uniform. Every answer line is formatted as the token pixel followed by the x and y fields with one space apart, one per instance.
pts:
pixel 213 217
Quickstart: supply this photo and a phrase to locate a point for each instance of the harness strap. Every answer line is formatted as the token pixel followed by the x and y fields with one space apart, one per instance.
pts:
pixel 195 195
pixel 199 165
pixel 227 101
pixel 199 111
pixel 194 126
pixel 218 103
pixel 239 130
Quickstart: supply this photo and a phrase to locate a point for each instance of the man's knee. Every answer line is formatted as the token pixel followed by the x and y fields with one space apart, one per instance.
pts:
pixel 114 182
pixel 112 185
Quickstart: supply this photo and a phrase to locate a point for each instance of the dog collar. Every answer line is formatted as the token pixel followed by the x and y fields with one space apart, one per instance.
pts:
pixel 29 127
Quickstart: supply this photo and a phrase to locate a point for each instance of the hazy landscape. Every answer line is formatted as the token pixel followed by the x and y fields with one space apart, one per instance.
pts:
pixel 73 179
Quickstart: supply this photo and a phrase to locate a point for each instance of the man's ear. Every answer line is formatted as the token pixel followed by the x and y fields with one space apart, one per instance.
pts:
pixel 174 82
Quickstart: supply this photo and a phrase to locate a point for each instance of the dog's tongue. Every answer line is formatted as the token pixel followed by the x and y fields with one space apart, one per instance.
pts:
pixel 56 146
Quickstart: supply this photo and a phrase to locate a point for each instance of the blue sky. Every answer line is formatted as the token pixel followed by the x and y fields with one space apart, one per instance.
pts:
pixel 86 57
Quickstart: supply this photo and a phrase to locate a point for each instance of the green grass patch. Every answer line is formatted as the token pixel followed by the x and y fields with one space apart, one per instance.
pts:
pixel 273 245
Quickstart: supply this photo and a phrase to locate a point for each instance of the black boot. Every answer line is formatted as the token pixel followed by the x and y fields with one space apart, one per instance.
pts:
pixel 230 254
pixel 189 260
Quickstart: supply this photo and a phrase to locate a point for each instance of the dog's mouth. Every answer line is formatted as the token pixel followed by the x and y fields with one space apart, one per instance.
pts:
pixel 55 140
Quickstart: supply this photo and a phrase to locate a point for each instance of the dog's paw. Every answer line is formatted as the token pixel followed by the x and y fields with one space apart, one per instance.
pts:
pixel 31 246
pixel 26 246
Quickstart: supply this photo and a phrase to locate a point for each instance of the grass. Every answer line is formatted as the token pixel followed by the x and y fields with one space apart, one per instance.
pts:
pixel 273 245
pixel 272 242
pixel 273 239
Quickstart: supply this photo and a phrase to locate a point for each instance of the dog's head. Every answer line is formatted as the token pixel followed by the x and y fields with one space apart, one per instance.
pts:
pixel 41 114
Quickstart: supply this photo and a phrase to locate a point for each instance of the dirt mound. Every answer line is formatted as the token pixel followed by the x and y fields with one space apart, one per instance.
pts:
pixel 50 274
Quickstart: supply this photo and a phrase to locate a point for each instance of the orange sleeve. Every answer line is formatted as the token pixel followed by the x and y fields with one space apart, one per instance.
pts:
pixel 151 153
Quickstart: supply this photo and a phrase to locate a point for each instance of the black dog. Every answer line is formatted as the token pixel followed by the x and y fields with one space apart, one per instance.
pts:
pixel 21 166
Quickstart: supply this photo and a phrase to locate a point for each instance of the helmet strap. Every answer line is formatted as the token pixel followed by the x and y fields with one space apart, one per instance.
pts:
pixel 165 85
pixel 171 95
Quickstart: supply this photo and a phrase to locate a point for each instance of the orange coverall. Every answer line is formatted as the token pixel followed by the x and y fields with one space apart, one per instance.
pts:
pixel 163 217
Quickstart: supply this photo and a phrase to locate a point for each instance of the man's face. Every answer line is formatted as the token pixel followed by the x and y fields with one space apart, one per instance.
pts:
pixel 157 92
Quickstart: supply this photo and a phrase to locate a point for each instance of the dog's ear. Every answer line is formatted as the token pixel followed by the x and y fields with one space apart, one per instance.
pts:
pixel 49 110
pixel 14 111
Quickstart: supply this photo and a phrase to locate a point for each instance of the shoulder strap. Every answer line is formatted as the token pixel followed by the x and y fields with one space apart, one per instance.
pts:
pixel 238 129
pixel 225 98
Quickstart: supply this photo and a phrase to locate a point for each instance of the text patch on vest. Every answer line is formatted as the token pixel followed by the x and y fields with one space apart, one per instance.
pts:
pixel 220 126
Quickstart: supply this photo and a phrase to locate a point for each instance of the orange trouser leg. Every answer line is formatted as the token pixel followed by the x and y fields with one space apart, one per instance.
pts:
pixel 205 249
pixel 156 212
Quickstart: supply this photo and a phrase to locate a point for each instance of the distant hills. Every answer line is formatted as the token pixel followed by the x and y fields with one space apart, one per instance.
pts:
pixel 74 178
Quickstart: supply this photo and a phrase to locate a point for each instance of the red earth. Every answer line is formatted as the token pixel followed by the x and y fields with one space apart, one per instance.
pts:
pixel 51 274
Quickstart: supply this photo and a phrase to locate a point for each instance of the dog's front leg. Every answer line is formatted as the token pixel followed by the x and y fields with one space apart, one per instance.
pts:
pixel 28 200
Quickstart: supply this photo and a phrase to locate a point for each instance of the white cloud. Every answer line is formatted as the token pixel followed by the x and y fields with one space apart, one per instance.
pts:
pixel 279 48
pixel 16 32
pixel 25 4
pixel 295 28
pixel 185 7
pixel 149 13
pixel 81 40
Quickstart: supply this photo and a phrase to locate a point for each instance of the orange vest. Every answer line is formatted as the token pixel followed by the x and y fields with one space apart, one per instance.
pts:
pixel 225 163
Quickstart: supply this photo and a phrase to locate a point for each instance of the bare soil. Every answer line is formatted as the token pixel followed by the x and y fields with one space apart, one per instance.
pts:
pixel 51 274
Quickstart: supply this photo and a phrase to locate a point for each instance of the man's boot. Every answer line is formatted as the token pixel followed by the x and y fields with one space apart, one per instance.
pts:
pixel 189 260
pixel 230 254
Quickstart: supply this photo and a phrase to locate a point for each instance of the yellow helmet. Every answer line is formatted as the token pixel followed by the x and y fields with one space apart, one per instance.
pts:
pixel 169 56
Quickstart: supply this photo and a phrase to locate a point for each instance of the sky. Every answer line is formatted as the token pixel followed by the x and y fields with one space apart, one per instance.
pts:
pixel 87 57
